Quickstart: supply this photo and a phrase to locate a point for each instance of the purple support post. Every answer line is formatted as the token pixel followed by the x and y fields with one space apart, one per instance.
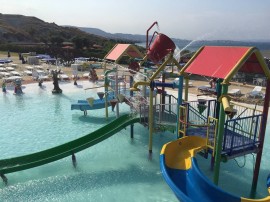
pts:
pixel 262 135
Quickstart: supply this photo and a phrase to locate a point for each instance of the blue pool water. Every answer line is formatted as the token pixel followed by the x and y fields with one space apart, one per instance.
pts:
pixel 117 169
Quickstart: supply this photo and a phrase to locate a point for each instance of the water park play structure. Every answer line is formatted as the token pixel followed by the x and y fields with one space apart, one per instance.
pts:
pixel 217 128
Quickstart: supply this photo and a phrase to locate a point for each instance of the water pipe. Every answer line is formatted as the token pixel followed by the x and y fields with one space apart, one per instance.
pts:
pixel 169 85
pixel 225 100
pixel 155 23
pixel 136 84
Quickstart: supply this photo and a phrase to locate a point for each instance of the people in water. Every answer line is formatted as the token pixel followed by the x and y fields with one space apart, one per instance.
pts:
pixel 18 87
pixel 75 78
pixel 4 86
pixel 40 81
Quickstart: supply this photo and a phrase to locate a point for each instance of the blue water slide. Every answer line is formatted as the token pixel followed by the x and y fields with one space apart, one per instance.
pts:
pixel 181 172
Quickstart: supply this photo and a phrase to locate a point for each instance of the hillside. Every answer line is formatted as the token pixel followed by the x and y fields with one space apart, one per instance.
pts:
pixel 181 43
pixel 19 29
pixel 116 36
pixel 24 29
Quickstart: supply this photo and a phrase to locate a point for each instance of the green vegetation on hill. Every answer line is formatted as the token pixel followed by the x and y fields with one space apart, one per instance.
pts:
pixel 20 33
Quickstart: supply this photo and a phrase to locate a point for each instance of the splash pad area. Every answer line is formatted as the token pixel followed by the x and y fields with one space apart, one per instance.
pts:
pixel 118 169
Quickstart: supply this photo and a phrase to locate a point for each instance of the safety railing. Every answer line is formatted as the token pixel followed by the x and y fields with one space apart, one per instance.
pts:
pixel 241 134
pixel 242 110
pixel 144 113
pixel 198 111
pixel 165 113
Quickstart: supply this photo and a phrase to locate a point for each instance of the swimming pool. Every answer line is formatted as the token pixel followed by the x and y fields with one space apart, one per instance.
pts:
pixel 117 169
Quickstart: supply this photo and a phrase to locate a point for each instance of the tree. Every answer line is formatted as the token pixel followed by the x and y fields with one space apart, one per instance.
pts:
pixel 77 42
pixel 57 40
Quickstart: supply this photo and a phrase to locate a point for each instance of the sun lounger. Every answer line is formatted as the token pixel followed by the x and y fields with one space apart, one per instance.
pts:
pixel 63 77
pixel 27 72
pixel 204 88
pixel 86 75
pixel 12 78
pixel 15 73
pixel 234 92
pixel 256 92
pixel 4 74
pixel 10 69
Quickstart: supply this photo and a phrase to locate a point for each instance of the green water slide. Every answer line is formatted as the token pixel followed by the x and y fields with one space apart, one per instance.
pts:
pixel 43 157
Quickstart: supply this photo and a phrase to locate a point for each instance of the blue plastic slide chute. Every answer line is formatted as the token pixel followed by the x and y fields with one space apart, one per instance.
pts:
pixel 83 105
pixel 181 172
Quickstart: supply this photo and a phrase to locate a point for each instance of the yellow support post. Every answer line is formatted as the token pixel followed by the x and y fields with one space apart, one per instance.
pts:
pixel 212 145
pixel 183 117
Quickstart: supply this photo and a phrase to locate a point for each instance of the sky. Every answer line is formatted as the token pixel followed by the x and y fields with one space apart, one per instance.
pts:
pixel 183 19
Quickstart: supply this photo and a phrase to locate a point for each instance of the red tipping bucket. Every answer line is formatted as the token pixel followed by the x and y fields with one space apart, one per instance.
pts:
pixel 161 46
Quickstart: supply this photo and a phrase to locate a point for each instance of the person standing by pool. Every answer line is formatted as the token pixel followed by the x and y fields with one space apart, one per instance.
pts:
pixel 213 82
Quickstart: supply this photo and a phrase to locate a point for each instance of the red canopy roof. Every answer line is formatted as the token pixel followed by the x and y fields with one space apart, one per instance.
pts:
pixel 220 61
pixel 120 50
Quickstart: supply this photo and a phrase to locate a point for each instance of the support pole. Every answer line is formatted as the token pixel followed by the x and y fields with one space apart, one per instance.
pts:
pixel 4 178
pixel 116 92
pixel 74 161
pixel 186 88
pixel 262 136
pixel 179 103
pixel 132 131
pixel 220 133
pixel 163 93
pixel 218 90
pixel 150 118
